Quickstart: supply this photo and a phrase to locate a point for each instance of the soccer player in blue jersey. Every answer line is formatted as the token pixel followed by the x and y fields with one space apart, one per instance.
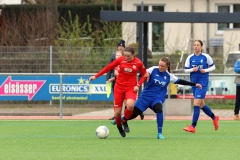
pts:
pixel 199 65
pixel 154 94
pixel 237 81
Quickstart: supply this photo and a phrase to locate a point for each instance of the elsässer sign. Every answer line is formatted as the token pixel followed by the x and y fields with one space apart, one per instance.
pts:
pixel 25 88
pixel 74 88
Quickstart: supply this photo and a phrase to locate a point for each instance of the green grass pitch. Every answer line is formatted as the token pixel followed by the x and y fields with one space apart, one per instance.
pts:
pixel 77 140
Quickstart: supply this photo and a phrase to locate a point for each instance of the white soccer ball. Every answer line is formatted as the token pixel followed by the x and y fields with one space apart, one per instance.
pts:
pixel 102 132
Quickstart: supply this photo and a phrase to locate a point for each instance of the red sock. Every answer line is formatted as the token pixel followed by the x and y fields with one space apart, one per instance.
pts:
pixel 127 114
pixel 118 121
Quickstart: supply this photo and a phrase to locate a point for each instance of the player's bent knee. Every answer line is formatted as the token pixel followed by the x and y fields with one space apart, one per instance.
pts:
pixel 158 108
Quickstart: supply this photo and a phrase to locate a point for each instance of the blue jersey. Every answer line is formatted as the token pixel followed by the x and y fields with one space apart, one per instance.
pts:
pixel 237 70
pixel 156 88
pixel 203 61
pixel 237 66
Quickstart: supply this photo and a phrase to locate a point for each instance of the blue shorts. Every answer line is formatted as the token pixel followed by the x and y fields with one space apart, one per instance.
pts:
pixel 143 103
pixel 199 93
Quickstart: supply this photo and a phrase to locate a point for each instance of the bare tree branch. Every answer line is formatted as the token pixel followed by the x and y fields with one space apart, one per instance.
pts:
pixel 26 29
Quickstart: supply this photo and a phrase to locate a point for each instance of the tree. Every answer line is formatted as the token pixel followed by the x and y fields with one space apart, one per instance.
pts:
pixel 72 33
pixel 24 29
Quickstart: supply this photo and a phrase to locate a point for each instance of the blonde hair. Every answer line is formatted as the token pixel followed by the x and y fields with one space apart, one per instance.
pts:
pixel 119 52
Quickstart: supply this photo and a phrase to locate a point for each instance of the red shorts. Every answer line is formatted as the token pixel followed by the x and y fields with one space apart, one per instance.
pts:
pixel 123 94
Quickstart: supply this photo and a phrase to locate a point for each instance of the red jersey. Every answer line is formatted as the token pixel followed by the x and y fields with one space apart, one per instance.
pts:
pixel 116 69
pixel 128 70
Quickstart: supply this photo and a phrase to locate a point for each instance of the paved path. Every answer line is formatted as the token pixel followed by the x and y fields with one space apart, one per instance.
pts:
pixel 222 113
pixel 107 113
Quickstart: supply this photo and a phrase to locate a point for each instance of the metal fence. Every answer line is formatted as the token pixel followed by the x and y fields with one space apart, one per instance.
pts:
pixel 49 59
pixel 55 59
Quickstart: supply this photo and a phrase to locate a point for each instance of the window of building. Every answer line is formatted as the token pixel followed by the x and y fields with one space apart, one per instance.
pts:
pixel 155 30
pixel 231 8
pixel 236 8
pixel 158 32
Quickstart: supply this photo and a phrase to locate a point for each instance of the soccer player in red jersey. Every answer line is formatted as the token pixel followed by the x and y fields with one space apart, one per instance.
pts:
pixel 126 86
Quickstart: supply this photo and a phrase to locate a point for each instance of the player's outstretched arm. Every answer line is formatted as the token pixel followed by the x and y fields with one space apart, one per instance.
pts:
pixel 183 82
pixel 92 78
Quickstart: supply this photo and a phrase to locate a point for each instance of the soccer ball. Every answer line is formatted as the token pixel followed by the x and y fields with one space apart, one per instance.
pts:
pixel 102 132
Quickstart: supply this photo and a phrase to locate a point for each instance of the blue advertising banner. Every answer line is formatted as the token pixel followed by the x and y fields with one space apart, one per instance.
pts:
pixel 74 88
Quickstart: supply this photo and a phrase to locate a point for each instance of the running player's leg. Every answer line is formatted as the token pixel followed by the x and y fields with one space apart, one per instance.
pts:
pixel 207 110
pixel 196 111
pixel 158 109
pixel 128 113
pixel 237 103
pixel 118 101
pixel 141 114
pixel 130 97
pixel 140 106
pixel 136 112
pixel 113 84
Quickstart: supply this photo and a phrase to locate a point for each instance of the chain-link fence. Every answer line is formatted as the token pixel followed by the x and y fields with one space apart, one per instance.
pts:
pixel 51 59
pixel 48 59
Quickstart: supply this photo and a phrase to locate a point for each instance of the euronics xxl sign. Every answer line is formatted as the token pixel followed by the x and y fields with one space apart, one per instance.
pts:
pixel 74 88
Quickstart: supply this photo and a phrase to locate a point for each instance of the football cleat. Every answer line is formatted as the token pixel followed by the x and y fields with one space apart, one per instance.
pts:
pixel 121 131
pixel 113 122
pixel 125 126
pixel 190 129
pixel 111 118
pixel 160 136
pixel 215 122
pixel 142 116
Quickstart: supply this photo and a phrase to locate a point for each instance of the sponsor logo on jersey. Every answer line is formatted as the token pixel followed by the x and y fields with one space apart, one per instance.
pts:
pixel 127 69
pixel 162 83
pixel 199 66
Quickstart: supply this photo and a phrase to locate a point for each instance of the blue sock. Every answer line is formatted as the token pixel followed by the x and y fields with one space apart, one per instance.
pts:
pixel 208 111
pixel 196 113
pixel 160 122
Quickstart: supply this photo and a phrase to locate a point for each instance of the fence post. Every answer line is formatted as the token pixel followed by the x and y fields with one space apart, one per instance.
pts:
pixel 60 112
pixel 50 64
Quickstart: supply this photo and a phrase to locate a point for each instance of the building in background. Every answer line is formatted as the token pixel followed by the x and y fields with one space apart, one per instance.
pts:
pixel 11 2
pixel 218 38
